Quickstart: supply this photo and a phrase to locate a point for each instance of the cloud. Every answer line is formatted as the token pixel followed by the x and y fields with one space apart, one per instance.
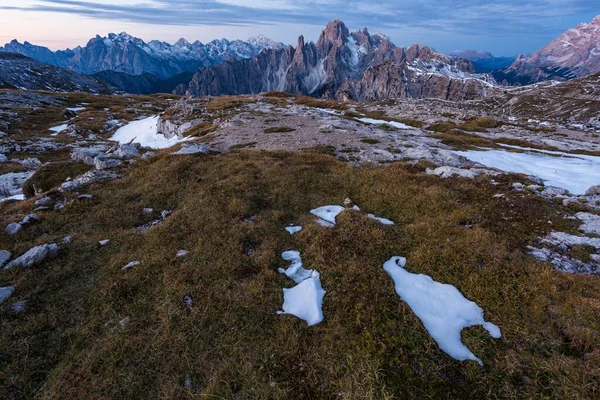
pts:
pixel 500 19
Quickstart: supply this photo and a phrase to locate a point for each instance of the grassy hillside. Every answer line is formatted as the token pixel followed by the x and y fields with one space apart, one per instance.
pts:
pixel 230 212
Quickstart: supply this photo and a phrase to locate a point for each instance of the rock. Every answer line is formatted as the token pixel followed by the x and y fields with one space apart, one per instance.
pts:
pixel 182 253
pixel 66 240
pixel 30 218
pixel 86 155
pixel 347 202
pixel 34 256
pixel 165 213
pixel 191 149
pixel 30 163
pixel 88 178
pixel 5 255
pixel 101 162
pixel 104 242
pixel 147 155
pixel 124 322
pixel 593 191
pixel 5 293
pixel 85 197
pixel 18 307
pixel 130 265
pixel 591 222
pixel 448 172
pixel 148 210
pixel 127 151
pixel 44 201
pixel 13 228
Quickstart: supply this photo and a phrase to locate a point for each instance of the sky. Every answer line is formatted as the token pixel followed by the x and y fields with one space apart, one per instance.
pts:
pixel 503 27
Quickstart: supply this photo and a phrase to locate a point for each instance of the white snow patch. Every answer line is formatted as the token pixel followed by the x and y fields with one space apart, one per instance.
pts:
pixel 305 300
pixel 326 215
pixel 145 132
pixel 395 124
pixel 384 221
pixel 75 109
pixel 18 197
pixel 293 229
pixel 573 172
pixel 444 311
pixel 58 129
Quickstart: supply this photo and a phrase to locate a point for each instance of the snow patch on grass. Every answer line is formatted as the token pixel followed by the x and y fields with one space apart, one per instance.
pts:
pixel 326 215
pixel 293 229
pixel 305 300
pixel 444 311
pixel 145 132
pixel 395 124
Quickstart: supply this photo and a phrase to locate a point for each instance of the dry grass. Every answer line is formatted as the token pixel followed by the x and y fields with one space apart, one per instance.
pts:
pixel 52 175
pixel 229 212
pixel 279 129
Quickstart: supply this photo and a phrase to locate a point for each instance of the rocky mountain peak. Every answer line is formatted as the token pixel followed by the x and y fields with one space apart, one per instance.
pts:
pixel 335 32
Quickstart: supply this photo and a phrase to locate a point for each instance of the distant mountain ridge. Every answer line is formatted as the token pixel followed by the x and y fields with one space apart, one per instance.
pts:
pixel 20 72
pixel 573 54
pixel 125 53
pixel 483 62
pixel 344 65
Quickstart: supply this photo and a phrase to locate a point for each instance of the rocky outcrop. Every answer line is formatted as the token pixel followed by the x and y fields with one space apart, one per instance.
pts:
pixel 344 65
pixel 34 256
pixel 573 54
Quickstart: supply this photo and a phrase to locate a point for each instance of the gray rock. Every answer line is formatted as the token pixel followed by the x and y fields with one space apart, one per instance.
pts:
pixel 88 178
pixel 6 292
pixel 147 155
pixel 30 218
pixel 148 210
pixel 34 256
pixel 66 240
pixel 591 222
pixel 191 149
pixel 30 163
pixel 101 162
pixel 104 242
pixel 13 228
pixel 85 154
pixel 182 253
pixel 124 322
pixel 593 191
pixel 5 255
pixel 127 152
pixel 18 307
pixel 448 172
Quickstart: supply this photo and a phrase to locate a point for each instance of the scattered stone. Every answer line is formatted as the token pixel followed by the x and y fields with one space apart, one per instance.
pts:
pixel 187 383
pixel 18 307
pixel 448 172
pixel 130 265
pixel 6 292
pixel 191 149
pixel 127 151
pixel 147 155
pixel 104 242
pixel 148 210
pixel 124 322
pixel 93 176
pixel 182 253
pixel 102 162
pixel 591 222
pixel 347 202
pixel 5 255
pixel 29 219
pixel 44 201
pixel 146 227
pixel 85 197
pixel 187 300
pixel 67 240
pixel 563 263
pixel 34 256
pixel 13 228
pixel 31 163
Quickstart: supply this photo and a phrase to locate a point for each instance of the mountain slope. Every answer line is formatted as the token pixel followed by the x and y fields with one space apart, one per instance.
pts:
pixel 145 83
pixel 20 72
pixel 341 65
pixel 573 54
pixel 131 55
pixel 484 62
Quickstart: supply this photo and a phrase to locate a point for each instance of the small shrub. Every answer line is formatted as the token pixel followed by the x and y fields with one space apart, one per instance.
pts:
pixel 370 141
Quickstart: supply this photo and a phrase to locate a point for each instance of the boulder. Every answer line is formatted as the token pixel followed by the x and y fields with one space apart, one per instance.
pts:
pixel 5 255
pixel 34 256
pixel 101 162
pixel 5 293
pixel 13 228
pixel 127 151
pixel 593 191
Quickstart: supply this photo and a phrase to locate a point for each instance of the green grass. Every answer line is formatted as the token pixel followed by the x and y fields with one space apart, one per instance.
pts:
pixel 279 129
pixel 68 344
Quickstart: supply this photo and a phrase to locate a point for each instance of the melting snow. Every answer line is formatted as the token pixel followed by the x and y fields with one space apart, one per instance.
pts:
pixel 75 109
pixel 384 221
pixel 58 129
pixel 326 215
pixel 573 172
pixel 305 300
pixel 444 311
pixel 293 229
pixel 395 124
pixel 145 132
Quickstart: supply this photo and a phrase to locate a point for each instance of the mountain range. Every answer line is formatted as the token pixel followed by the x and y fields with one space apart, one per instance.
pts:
pixel 573 54
pixel 483 61
pixel 125 53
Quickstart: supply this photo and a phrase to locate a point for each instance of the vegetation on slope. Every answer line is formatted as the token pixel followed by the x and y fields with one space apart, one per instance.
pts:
pixel 230 212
